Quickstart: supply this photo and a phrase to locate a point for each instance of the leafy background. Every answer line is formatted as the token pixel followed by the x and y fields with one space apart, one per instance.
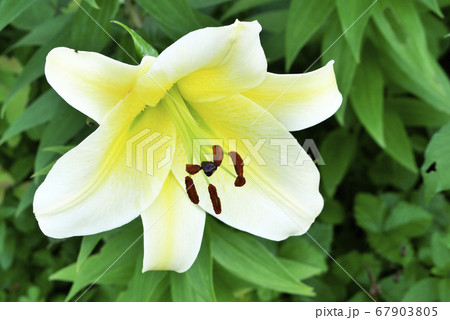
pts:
pixel 387 154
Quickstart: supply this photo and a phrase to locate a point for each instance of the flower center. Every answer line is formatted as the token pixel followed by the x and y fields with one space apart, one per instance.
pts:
pixel 191 128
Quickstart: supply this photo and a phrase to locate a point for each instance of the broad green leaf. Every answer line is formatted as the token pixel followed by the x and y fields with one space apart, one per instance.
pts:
pixel 87 246
pixel 406 55
pixel 345 64
pixel 299 270
pixel 398 145
pixel 305 252
pixel 367 97
pixel 176 17
pixel 93 3
pixel 426 290
pixel 59 149
pixel 34 15
pixel 145 287
pixel 114 264
pixel 332 213
pixel 44 33
pixel 142 47
pixel 27 199
pixel 385 171
pixel 200 275
pixel 416 113
pixel 34 68
pixel 10 9
pixel 434 6
pixel 354 16
pixel 338 150
pixel 440 252
pixel 245 257
pixel 39 112
pixel 359 265
pixel 200 4
pixel 243 5
pixel 65 124
pixel 369 212
pixel 436 168
pixel 393 247
pixel 91 27
pixel 444 290
pixel 408 220
pixel 305 17
pixel 182 290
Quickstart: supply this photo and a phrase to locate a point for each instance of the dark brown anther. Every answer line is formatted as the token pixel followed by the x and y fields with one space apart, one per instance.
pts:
pixel 76 51
pixel 218 155
pixel 237 162
pixel 208 168
pixel 239 182
pixel 191 191
pixel 215 200
pixel 193 168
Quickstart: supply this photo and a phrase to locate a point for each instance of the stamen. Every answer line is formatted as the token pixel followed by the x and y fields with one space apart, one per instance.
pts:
pixel 218 155
pixel 208 167
pixel 238 167
pixel 193 168
pixel 215 200
pixel 191 191
pixel 239 182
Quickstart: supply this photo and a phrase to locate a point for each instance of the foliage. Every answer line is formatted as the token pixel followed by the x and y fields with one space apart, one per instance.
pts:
pixel 385 182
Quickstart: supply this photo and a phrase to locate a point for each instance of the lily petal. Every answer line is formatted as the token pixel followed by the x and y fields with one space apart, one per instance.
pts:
pixel 173 230
pixel 279 199
pixel 209 64
pixel 311 98
pixel 90 82
pixel 105 181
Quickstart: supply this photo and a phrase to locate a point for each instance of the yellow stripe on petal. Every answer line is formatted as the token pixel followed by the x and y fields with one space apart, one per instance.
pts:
pixel 173 230
pixel 94 187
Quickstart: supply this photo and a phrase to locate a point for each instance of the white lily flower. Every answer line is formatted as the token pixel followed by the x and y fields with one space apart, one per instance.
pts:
pixel 210 84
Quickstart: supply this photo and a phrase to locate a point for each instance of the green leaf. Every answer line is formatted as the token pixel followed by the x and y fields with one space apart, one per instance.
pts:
pixel 90 28
pixel 345 64
pixel 398 145
pixel 386 172
pixel 369 212
pixel 200 4
pixel 65 124
pixel 34 15
pixel 440 252
pixel 87 246
pixel 33 69
pixel 243 5
pixel 200 275
pixel 246 258
pixel 408 220
pixel 406 57
pixel 436 168
pixel 433 5
pixel 39 112
pixel 115 264
pixel 142 47
pixel 10 9
pixel 367 97
pixel 444 290
pixel 305 252
pixel 416 113
pixel 93 3
pixel 312 15
pixel 176 17
pixel 44 32
pixel 426 290
pixel 354 16
pixel 338 150
pixel 393 247
pixel 145 287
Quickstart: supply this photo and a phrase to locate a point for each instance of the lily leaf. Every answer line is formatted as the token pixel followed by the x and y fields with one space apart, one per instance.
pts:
pixel 143 48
